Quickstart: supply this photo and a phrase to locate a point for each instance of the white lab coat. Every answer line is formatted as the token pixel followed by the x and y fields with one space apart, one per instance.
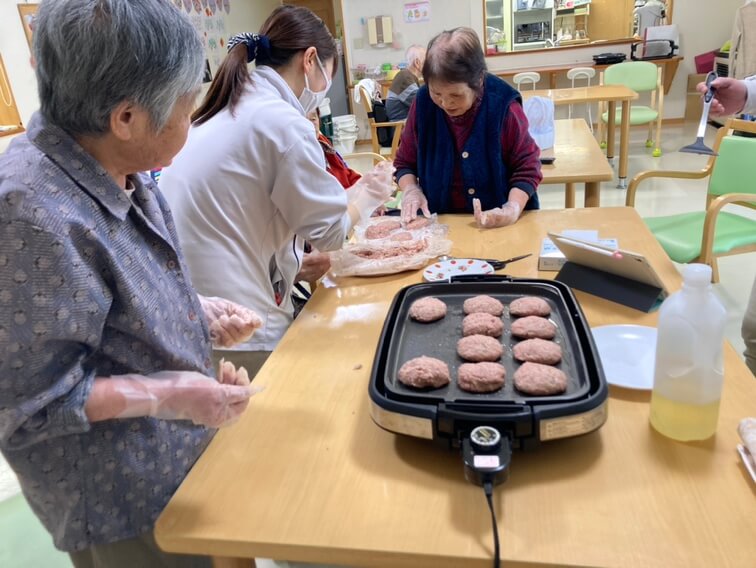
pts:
pixel 241 188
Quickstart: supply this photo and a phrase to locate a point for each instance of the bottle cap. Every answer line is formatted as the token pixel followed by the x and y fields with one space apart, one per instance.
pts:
pixel 697 274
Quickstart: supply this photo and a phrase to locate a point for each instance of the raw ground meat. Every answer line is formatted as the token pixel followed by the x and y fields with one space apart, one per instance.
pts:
pixel 428 309
pixel 393 250
pixel 529 306
pixel 533 326
pixel 479 348
pixel 481 377
pixel 424 372
pixel 401 236
pixel 382 230
pixel 482 324
pixel 485 304
pixel 538 351
pixel 417 223
pixel 539 380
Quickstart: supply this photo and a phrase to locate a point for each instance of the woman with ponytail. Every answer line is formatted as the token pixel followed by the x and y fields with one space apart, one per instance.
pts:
pixel 251 183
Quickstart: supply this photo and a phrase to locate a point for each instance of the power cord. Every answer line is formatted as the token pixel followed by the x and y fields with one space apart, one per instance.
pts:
pixel 488 489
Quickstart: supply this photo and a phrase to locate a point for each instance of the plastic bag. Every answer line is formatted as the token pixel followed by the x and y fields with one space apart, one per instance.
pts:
pixel 540 113
pixel 396 250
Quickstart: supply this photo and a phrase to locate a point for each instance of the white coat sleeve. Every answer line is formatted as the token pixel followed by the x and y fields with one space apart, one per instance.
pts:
pixel 750 106
pixel 312 202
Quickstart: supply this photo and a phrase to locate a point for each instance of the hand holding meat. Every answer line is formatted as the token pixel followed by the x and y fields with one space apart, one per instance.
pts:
pixel 229 322
pixel 502 216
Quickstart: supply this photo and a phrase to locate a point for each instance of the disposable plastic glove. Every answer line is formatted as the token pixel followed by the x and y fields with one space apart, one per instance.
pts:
pixel 229 322
pixel 178 395
pixel 502 216
pixel 413 199
pixel 370 192
pixel 314 265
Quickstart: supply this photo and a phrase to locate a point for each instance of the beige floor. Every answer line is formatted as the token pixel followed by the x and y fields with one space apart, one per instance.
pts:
pixel 664 197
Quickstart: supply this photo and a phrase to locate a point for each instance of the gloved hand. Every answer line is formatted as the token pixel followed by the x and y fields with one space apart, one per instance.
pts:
pixel 229 322
pixel 502 216
pixel 314 265
pixel 370 192
pixel 413 199
pixel 180 395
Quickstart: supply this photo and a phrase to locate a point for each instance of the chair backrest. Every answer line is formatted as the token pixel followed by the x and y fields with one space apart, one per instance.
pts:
pixel 735 167
pixel 638 75
pixel 526 77
pixel 367 102
pixel 576 73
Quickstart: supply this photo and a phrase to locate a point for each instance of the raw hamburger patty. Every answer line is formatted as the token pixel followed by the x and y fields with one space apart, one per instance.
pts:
pixel 417 223
pixel 539 380
pixel 538 351
pixel 533 326
pixel 382 230
pixel 482 324
pixel 428 309
pixel 481 377
pixel 485 304
pixel 529 306
pixel 424 372
pixel 479 348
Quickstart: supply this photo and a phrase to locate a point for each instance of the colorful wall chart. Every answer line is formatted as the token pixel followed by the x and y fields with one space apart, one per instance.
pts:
pixel 209 19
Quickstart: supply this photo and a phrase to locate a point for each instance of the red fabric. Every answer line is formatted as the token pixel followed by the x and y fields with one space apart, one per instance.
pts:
pixel 519 151
pixel 336 165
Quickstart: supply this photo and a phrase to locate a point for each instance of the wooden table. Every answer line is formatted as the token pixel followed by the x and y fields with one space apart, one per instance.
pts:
pixel 612 94
pixel 306 475
pixel 669 69
pixel 579 159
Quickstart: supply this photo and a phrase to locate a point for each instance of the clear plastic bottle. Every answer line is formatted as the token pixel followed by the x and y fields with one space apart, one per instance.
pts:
pixel 689 368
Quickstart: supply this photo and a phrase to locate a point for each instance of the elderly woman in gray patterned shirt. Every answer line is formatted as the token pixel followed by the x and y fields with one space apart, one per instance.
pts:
pixel 107 392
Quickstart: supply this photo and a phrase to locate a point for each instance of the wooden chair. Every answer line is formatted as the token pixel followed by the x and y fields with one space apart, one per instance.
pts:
pixel 640 76
pixel 367 103
pixel 703 236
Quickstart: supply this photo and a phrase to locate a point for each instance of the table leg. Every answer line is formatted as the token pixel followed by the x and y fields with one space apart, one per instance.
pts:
pixel 223 562
pixel 612 107
pixel 592 194
pixel 624 144
pixel 569 195
pixel 552 80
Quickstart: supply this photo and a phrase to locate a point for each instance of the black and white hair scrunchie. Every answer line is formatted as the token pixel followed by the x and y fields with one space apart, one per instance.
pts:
pixel 255 43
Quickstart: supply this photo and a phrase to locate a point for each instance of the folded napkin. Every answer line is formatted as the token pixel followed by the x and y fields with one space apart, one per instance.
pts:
pixel 747 431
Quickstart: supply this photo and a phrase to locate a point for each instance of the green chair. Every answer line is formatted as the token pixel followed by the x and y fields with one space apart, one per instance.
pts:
pixel 705 235
pixel 24 542
pixel 641 77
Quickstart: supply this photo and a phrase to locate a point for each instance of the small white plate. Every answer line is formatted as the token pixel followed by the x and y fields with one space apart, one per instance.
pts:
pixel 456 267
pixel 627 354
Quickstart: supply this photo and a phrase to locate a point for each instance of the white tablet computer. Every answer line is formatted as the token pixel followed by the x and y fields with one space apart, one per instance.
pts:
pixel 627 264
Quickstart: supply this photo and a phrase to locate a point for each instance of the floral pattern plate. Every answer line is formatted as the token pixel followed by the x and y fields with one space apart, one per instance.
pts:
pixel 439 271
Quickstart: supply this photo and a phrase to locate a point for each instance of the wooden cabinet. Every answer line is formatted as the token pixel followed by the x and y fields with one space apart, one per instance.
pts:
pixel 611 19
pixel 10 120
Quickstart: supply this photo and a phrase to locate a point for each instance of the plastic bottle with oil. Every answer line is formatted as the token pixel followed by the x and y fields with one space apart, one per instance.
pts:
pixel 689 369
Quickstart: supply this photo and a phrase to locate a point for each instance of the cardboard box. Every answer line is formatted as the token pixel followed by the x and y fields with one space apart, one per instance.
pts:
pixel 693 107
pixel 551 259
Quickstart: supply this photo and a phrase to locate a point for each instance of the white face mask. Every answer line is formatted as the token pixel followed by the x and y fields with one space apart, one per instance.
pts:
pixel 309 99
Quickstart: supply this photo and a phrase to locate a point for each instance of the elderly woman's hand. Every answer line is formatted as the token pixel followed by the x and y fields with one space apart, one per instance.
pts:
pixel 502 216
pixel 229 322
pixel 413 199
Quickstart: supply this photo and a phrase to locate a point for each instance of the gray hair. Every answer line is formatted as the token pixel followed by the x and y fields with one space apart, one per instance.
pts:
pixel 414 52
pixel 92 55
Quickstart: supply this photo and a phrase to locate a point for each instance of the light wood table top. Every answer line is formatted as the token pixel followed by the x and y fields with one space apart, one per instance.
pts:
pixel 579 158
pixel 306 475
pixel 576 95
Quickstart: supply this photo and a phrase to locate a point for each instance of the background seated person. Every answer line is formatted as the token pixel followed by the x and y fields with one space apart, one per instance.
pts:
pixel 405 84
pixel 466 139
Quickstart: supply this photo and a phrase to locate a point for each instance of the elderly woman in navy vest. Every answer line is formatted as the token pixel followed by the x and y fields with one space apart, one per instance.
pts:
pixel 465 147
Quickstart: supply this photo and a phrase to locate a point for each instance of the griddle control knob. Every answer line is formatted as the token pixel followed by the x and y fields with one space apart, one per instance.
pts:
pixel 485 439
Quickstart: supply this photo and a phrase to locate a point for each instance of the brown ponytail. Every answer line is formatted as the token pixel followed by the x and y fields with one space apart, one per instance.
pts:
pixel 288 30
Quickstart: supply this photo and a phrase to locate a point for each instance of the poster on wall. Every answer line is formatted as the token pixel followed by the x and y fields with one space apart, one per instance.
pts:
pixel 28 12
pixel 416 12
